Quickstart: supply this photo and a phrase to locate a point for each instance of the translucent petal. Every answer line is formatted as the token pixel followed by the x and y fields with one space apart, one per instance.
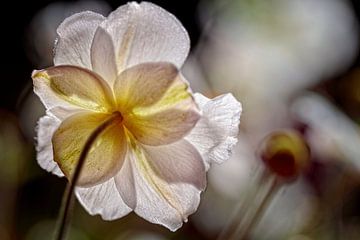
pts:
pixel 156 103
pixel 162 128
pixel 46 127
pixel 75 35
pixel 106 155
pixel 146 33
pixel 103 199
pixel 72 88
pixel 145 84
pixel 103 58
pixel 215 134
pixel 167 182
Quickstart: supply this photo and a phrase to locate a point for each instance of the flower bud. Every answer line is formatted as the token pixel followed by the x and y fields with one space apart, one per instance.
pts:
pixel 285 153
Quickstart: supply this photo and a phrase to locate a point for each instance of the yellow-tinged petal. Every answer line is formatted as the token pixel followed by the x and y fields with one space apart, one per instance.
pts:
pixel 72 88
pixel 144 84
pixel 177 96
pixel 156 103
pixel 106 155
pixel 163 127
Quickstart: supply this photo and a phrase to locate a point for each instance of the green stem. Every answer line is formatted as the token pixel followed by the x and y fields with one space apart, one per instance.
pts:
pixel 68 199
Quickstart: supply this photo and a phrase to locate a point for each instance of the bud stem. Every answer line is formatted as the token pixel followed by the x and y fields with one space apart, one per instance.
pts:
pixel 265 202
pixel 245 216
pixel 68 198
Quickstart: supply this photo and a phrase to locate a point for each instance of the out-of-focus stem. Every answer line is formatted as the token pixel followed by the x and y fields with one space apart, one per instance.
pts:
pixel 250 211
pixel 243 234
pixel 68 199
pixel 242 210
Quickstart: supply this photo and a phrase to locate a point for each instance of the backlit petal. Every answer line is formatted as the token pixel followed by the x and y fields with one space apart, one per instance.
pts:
pixel 106 155
pixel 146 33
pixel 167 182
pixel 215 134
pixel 162 128
pixel 125 181
pixel 72 88
pixel 103 199
pixel 145 84
pixel 103 58
pixel 163 111
pixel 46 127
pixel 63 113
pixel 75 35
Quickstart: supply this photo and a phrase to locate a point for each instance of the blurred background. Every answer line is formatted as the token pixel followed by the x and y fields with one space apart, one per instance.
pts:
pixel 294 64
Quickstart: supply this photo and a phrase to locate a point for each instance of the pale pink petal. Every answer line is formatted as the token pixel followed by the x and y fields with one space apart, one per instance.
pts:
pixel 215 134
pixel 46 127
pixel 75 35
pixel 103 57
pixel 103 199
pixel 125 181
pixel 163 183
pixel 146 33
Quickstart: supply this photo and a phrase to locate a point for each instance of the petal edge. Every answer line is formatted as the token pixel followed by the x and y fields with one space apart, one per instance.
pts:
pixel 215 134
pixel 75 35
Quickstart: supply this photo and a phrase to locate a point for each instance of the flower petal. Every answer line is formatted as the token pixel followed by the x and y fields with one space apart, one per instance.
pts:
pixel 162 114
pixel 154 78
pixel 75 35
pixel 125 181
pixel 103 58
pixel 46 127
pixel 178 162
pixel 146 33
pixel 106 155
pixel 103 199
pixel 72 88
pixel 215 134
pixel 162 128
pixel 167 182
pixel 62 113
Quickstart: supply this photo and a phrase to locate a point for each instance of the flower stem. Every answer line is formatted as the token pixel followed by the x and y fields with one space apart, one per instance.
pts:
pixel 68 199
pixel 265 202
pixel 246 216
pixel 242 211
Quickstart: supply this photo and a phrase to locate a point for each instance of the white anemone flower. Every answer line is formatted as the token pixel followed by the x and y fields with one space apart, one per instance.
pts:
pixel 153 156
